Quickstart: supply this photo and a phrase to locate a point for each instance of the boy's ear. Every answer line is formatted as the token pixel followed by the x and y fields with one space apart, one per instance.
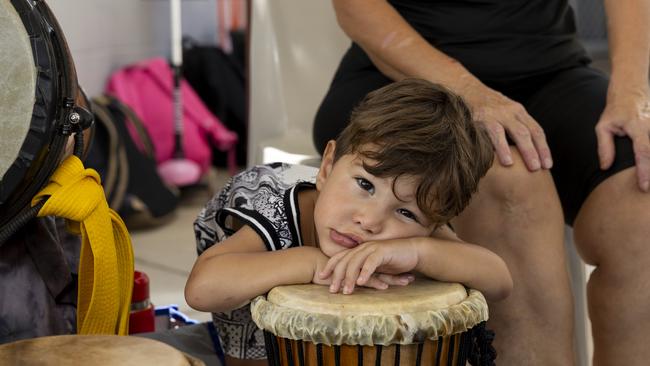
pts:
pixel 326 164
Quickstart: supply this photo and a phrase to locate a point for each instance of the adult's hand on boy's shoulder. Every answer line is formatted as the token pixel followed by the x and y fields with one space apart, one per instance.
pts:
pixel 375 264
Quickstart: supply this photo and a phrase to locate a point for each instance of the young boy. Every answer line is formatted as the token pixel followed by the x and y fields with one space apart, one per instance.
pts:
pixel 376 211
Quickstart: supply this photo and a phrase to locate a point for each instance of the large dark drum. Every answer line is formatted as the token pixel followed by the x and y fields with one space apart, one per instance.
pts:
pixel 41 105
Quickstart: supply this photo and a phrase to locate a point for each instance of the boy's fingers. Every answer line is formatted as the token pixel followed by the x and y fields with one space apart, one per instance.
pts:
pixel 355 262
pixel 351 274
pixel 335 285
pixel 338 272
pixel 376 283
pixel 331 264
pixel 369 267
pixel 353 271
pixel 394 280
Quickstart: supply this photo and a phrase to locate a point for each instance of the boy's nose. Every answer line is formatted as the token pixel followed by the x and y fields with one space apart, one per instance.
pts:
pixel 369 220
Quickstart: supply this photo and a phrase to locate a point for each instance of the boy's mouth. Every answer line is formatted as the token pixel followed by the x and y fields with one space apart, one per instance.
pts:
pixel 344 240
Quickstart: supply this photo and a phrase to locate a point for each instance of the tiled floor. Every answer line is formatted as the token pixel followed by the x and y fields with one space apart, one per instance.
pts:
pixel 166 254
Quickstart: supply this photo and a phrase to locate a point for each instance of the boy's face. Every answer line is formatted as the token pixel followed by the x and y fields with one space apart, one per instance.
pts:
pixel 354 206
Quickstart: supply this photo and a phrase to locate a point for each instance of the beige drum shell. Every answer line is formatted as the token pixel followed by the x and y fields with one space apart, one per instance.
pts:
pixel 94 350
pixel 425 309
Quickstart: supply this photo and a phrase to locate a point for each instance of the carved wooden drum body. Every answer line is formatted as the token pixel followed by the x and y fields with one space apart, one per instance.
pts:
pixel 425 323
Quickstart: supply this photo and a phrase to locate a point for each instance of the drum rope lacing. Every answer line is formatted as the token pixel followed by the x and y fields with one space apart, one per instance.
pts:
pixel 482 353
pixel 106 263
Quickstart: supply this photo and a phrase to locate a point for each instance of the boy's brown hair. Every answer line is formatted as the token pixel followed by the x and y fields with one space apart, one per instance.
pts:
pixel 417 128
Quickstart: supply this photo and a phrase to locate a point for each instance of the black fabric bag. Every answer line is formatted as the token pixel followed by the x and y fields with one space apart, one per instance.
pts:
pixel 38 291
pixel 218 79
pixel 131 182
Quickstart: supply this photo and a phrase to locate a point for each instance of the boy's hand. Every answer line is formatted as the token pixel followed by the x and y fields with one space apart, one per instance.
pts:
pixel 376 264
pixel 378 281
pixel 320 262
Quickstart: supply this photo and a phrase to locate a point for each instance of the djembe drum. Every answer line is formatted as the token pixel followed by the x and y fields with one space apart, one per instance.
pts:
pixel 425 323
pixel 93 350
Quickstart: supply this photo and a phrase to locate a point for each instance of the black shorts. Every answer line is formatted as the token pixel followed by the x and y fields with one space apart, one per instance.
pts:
pixel 566 103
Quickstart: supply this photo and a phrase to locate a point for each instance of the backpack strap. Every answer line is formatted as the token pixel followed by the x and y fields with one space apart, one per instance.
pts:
pixel 116 179
pixel 136 122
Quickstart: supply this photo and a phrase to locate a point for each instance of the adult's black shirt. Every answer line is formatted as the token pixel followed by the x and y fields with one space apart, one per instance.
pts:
pixel 499 39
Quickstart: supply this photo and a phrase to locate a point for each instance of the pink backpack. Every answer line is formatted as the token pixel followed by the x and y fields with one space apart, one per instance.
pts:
pixel 147 88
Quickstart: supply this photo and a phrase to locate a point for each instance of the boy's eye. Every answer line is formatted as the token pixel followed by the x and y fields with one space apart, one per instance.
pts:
pixel 408 214
pixel 365 185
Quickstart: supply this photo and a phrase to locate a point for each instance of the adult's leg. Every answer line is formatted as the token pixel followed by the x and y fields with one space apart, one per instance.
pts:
pixel 517 215
pixel 611 233
pixel 611 227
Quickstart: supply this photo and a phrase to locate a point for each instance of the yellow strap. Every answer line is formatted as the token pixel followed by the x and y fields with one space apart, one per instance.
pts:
pixel 106 263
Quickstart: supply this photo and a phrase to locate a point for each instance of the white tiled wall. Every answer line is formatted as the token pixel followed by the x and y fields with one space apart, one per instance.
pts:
pixel 104 35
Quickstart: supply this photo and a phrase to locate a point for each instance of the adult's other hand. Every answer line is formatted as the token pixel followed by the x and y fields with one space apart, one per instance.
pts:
pixel 627 114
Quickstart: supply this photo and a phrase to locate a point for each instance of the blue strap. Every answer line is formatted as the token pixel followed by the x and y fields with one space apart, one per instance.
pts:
pixel 216 343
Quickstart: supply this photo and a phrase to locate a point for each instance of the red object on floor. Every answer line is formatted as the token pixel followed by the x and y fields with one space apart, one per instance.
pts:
pixel 142 316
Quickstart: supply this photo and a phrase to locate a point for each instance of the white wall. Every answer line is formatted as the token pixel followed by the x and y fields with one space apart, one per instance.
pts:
pixel 104 35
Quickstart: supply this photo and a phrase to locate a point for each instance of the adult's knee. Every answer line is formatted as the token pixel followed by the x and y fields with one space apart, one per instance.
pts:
pixel 611 227
pixel 517 214
pixel 520 194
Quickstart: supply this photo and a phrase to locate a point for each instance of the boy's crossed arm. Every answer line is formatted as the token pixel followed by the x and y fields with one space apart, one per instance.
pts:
pixel 228 275
pixel 442 257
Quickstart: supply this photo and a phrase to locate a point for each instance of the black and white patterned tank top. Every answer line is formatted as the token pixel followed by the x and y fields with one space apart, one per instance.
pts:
pixel 263 197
